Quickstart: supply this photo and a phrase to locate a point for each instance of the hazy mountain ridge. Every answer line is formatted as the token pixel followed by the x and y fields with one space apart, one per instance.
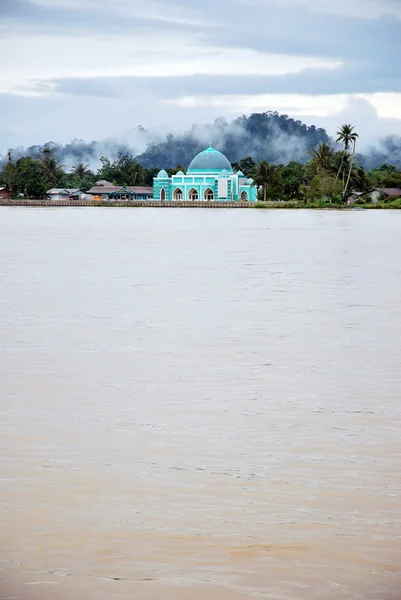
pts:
pixel 271 136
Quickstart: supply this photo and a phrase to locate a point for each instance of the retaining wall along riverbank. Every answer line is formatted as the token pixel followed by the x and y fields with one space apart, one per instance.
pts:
pixel 152 203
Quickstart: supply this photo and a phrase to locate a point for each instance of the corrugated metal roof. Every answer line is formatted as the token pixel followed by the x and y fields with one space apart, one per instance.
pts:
pixel 140 189
pixel 115 189
pixel 63 190
pixel 106 189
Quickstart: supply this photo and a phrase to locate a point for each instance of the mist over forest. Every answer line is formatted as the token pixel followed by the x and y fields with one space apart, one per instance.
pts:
pixel 271 136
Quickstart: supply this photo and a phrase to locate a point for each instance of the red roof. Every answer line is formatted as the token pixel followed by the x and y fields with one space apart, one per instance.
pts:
pixel 390 191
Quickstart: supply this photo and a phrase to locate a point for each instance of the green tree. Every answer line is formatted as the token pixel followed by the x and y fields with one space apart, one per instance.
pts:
pixel 9 175
pixel 293 176
pixel 323 186
pixel 31 177
pixel 149 175
pixel 106 171
pixel 123 171
pixel 81 170
pixel 267 177
pixel 53 170
pixel 178 168
pixel 321 159
pixel 246 165
pixel 385 176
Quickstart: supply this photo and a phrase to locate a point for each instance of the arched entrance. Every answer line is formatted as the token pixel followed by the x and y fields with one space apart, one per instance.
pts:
pixel 209 194
pixel 177 195
pixel 244 197
pixel 163 195
pixel 193 195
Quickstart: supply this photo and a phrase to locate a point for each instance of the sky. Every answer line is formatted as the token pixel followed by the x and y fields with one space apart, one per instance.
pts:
pixel 96 69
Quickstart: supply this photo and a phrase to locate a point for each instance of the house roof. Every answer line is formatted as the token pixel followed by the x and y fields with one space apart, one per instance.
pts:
pixel 105 189
pixel 392 191
pixel 2 189
pixel 389 191
pixel 140 189
pixel 63 190
pixel 117 189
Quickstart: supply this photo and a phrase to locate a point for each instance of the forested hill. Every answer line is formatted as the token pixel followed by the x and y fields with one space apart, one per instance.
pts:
pixel 277 138
pixel 271 136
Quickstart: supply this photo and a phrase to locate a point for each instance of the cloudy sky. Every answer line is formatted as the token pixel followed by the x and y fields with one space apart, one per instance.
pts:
pixel 94 69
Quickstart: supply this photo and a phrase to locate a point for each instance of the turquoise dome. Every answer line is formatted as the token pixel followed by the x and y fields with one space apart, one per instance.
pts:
pixel 162 174
pixel 210 161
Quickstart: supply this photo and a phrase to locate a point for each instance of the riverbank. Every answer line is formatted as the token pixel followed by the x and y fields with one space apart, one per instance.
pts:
pixel 318 205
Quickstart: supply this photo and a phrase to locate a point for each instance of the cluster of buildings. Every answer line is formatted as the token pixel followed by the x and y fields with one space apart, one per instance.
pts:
pixel 210 177
pixel 102 191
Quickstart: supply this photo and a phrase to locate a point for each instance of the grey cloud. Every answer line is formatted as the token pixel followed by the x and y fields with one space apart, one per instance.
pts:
pixel 369 47
pixel 72 20
pixel 352 79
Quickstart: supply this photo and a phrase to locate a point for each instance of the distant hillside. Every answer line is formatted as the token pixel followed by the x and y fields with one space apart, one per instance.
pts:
pixel 271 136
pixel 277 138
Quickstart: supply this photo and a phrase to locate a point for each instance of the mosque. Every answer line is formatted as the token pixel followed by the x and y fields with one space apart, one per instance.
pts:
pixel 210 177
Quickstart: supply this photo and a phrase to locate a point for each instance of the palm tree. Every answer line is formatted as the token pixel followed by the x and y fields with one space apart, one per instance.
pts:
pixel 354 138
pixel 53 170
pixel 264 176
pixel 135 174
pixel 347 136
pixel 321 158
pixel 340 165
pixel 80 170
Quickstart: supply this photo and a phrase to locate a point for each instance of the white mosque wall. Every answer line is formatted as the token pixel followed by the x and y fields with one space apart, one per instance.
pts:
pixel 222 188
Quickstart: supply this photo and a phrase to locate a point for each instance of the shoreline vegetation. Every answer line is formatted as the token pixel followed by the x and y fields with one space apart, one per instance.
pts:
pixel 329 176
pixel 268 205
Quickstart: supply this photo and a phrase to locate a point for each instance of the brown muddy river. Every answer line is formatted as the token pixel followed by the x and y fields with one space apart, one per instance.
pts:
pixel 200 404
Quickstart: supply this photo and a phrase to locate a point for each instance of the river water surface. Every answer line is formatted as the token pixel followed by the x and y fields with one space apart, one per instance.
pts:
pixel 200 404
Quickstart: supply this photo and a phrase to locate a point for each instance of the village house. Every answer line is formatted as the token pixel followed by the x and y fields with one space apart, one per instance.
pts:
pixel 63 194
pixel 375 194
pixel 106 191
pixel 388 193
pixel 5 193
pixel 354 196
